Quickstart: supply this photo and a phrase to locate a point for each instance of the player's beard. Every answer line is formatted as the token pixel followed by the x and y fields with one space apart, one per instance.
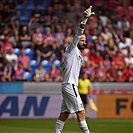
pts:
pixel 81 47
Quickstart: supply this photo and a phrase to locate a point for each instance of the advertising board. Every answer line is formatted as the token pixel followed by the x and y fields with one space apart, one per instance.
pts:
pixel 115 106
pixel 32 106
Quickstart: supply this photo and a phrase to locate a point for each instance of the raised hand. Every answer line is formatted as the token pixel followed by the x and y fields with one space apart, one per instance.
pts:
pixel 88 12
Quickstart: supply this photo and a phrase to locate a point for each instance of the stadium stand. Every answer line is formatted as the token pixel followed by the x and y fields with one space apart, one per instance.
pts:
pixel 109 32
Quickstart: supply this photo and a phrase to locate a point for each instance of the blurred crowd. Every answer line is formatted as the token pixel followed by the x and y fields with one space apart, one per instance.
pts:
pixel 45 27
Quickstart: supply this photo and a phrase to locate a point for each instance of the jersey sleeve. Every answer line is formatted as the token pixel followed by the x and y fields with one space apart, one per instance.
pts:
pixel 75 40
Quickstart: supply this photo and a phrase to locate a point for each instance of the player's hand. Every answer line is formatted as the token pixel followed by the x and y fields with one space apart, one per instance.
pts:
pixel 88 12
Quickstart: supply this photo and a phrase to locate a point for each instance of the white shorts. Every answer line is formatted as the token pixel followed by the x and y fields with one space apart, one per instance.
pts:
pixel 71 99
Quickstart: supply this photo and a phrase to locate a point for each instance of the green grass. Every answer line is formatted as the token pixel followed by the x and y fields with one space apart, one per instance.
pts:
pixel 71 126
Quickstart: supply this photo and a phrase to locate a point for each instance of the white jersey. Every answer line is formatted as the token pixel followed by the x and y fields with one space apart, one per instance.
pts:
pixel 72 60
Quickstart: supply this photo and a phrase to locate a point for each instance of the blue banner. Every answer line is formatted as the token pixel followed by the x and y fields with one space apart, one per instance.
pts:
pixel 11 87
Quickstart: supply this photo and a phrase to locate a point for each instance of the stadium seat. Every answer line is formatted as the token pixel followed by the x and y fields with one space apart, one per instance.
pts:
pixel 17 51
pixel 38 2
pixel 29 52
pixel 34 65
pixel 24 20
pixel 46 65
pixel 43 8
pixel 21 8
pixel 28 75
pixel 26 44
pixel 30 7
pixel 57 63
pixel 29 2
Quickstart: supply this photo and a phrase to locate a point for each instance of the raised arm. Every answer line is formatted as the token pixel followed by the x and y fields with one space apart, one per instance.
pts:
pixel 87 13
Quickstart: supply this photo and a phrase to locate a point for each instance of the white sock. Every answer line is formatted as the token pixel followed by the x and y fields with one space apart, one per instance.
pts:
pixel 59 126
pixel 83 126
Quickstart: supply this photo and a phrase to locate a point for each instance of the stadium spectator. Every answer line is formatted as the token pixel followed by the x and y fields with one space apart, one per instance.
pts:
pixel 130 73
pixel 117 35
pixel 71 15
pixel 16 25
pixel 96 58
pixel 118 60
pixel 9 36
pixel 54 74
pixel 24 37
pixel 85 59
pixel 69 32
pixel 57 52
pixel 59 12
pixel 49 36
pixel 11 58
pixel 18 72
pixel 6 75
pixel 40 74
pixel 5 14
pixel 89 68
pixel 11 4
pixel 106 35
pixel 124 25
pixel 44 52
pixel 111 73
pixel 124 46
pixel 106 62
pixel 6 46
pixel 47 17
pixel 111 48
pixel 59 35
pixel 25 60
pixel 128 59
pixel 101 46
pixel 37 14
pixel 120 76
pixel 100 73
pixel 37 39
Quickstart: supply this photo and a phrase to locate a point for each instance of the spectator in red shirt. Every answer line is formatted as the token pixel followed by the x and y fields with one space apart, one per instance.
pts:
pixel 96 58
pixel 111 73
pixel 6 46
pixel 118 60
pixel 120 76
pixel 130 73
pixel 54 74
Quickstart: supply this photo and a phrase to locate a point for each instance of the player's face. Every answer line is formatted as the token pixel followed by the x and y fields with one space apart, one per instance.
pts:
pixel 82 42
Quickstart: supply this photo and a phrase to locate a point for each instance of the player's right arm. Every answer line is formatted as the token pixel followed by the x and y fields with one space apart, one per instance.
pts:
pixel 87 13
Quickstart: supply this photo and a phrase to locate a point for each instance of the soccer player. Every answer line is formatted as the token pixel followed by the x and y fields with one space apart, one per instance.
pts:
pixel 72 102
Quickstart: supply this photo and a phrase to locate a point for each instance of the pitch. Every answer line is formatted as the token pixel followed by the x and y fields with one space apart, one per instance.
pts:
pixel 47 126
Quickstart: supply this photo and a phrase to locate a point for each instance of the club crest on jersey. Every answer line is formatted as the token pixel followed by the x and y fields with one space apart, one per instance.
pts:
pixel 79 57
